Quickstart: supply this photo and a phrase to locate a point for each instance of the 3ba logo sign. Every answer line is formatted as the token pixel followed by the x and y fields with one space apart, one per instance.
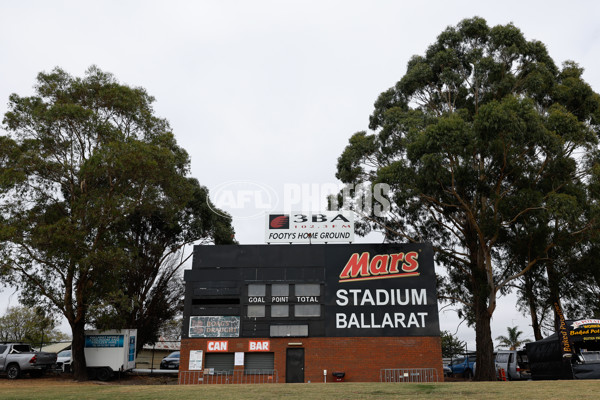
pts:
pixel 279 221
pixel 361 267
pixel 282 221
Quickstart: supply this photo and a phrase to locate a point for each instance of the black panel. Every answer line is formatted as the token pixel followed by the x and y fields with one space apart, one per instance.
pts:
pixel 212 301
pixel 270 274
pixel 249 274
pixel 294 274
pixel 316 274
pixel 307 274
pixel 215 310
pixel 357 305
pixel 255 329
pixel 201 291
pixel 220 284
pixel 206 274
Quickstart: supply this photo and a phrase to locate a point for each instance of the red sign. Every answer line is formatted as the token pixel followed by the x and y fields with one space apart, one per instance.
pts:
pixel 360 268
pixel 259 345
pixel 215 346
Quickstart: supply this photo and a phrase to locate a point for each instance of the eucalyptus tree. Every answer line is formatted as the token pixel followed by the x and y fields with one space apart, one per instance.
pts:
pixel 94 196
pixel 30 325
pixel 150 294
pixel 482 136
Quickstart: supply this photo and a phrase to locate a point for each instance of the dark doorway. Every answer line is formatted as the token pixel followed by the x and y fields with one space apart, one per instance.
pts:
pixel 294 366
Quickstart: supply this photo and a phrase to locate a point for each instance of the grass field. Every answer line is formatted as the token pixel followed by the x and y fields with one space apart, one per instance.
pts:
pixel 545 390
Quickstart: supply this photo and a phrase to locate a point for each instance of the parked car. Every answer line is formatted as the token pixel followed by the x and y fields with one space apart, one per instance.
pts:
pixel 463 366
pixel 63 361
pixel 171 361
pixel 16 358
pixel 447 370
pixel 514 363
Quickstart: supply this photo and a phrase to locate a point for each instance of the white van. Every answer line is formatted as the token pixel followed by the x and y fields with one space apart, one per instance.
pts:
pixel 514 363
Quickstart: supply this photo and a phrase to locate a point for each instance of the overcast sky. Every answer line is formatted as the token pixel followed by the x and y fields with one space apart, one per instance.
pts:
pixel 265 94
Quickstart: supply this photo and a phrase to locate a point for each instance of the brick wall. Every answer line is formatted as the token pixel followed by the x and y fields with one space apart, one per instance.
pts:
pixel 360 358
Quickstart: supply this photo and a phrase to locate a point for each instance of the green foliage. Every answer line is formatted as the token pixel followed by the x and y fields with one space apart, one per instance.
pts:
pixel 484 144
pixel 451 345
pixel 513 341
pixel 96 204
pixel 29 325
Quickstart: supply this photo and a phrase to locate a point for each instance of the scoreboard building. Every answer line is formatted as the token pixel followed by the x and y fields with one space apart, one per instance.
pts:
pixel 307 311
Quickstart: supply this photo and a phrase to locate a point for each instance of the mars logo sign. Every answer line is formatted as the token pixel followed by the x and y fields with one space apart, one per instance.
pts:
pixel 362 267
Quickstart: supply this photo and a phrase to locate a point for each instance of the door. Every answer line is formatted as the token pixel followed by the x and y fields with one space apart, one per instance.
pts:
pixel 2 356
pixel 294 366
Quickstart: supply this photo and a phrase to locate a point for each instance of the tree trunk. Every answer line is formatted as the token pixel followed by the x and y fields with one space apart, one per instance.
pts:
pixel 535 324
pixel 77 350
pixel 554 286
pixel 486 368
pixel 481 290
pixel 532 303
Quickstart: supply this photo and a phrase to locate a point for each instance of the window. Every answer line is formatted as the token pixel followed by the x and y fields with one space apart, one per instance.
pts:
pixel 257 290
pixel 522 358
pixel 502 358
pixel 21 348
pixel 280 289
pixel 308 289
pixel 256 311
pixel 458 361
pixel 289 330
pixel 280 310
pixel 307 310
pixel 590 356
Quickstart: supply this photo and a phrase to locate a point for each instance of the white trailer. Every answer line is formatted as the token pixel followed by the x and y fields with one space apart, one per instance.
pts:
pixel 110 351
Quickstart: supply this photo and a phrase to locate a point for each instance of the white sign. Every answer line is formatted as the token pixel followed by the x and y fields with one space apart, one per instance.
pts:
pixel 238 358
pixel 321 227
pixel 195 360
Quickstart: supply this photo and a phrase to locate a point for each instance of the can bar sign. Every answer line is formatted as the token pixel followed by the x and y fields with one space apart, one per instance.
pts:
pixel 216 346
pixel 259 345
pixel 321 227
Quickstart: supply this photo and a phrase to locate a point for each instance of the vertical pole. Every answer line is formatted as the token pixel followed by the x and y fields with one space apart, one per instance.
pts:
pixel 152 362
